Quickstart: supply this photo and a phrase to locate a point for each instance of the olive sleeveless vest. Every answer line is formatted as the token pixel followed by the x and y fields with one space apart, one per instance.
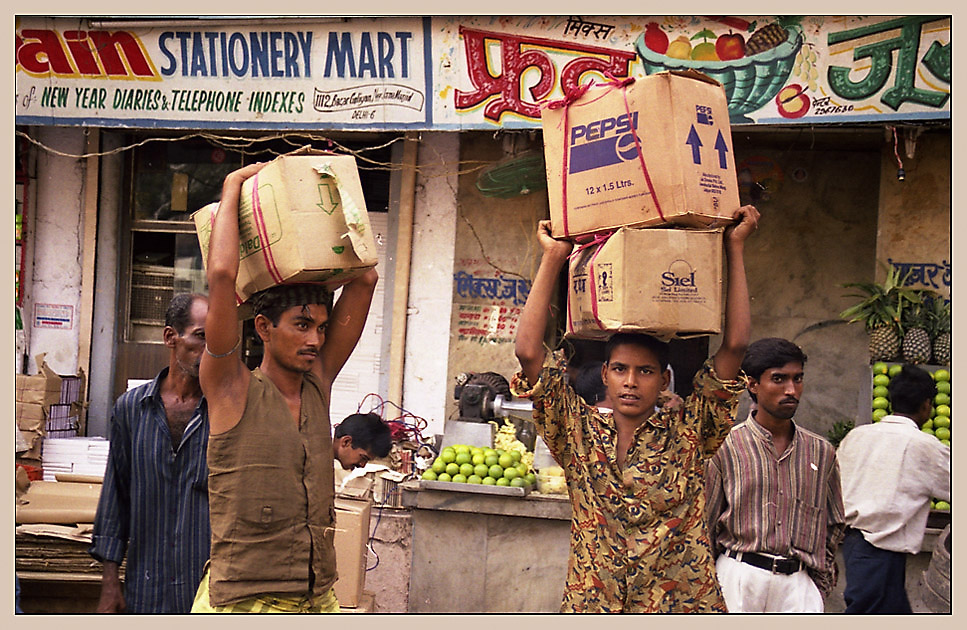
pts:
pixel 270 487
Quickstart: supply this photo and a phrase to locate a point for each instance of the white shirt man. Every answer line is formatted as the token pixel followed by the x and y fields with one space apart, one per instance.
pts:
pixel 890 471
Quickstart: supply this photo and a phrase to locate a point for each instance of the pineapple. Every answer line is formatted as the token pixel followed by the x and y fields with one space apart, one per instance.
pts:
pixel 884 342
pixel 940 330
pixel 881 312
pixel 916 338
pixel 766 38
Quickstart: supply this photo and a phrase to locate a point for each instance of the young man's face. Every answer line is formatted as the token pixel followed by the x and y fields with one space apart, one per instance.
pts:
pixel 295 342
pixel 348 455
pixel 189 346
pixel 779 390
pixel 633 379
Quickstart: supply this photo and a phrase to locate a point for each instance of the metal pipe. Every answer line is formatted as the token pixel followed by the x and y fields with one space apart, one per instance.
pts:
pixel 503 407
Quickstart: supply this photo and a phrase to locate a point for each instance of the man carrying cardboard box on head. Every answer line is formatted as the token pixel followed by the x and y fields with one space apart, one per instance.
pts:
pixel 636 475
pixel 270 452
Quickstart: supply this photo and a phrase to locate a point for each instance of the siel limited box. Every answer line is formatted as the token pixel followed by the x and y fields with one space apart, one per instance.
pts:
pixel 666 282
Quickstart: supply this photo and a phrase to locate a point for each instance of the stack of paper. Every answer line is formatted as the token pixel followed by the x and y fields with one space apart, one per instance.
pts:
pixel 85 456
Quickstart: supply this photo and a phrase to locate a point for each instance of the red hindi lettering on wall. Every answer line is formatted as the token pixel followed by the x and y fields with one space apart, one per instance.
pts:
pixel 514 61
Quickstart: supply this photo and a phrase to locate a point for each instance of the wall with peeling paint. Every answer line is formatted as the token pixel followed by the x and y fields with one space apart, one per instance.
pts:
pixel 57 247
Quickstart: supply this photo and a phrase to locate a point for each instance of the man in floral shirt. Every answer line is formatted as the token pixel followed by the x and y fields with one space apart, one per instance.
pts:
pixel 635 476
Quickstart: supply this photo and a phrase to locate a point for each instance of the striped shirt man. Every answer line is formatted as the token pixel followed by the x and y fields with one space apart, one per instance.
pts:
pixel 785 504
pixel 153 507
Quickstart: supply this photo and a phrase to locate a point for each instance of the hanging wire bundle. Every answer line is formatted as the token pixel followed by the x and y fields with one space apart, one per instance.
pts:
pixel 515 176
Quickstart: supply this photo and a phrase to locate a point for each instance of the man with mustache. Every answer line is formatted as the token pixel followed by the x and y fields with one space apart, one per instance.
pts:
pixel 153 507
pixel 774 505
pixel 270 452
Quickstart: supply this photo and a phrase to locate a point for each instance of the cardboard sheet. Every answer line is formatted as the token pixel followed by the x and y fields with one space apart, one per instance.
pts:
pixel 55 502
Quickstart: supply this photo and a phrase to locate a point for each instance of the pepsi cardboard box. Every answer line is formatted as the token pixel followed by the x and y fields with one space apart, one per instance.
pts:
pixel 684 173
pixel 302 218
pixel 666 282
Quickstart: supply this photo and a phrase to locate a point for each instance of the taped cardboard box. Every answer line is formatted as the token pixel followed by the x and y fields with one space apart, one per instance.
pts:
pixel 302 218
pixel 352 534
pixel 666 282
pixel 684 173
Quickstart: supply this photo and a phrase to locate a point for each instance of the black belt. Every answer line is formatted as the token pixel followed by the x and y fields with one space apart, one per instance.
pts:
pixel 785 566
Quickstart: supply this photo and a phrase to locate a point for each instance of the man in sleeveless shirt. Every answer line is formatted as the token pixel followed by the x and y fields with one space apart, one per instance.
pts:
pixel 270 450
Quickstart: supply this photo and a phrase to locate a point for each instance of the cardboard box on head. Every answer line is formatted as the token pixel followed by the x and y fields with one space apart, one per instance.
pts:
pixel 666 282
pixel 302 218
pixel 650 152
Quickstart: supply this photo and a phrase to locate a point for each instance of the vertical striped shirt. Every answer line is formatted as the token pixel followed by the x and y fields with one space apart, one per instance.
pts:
pixel 153 506
pixel 788 504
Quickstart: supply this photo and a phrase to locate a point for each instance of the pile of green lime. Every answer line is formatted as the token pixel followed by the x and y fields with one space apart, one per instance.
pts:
pixel 939 423
pixel 463 463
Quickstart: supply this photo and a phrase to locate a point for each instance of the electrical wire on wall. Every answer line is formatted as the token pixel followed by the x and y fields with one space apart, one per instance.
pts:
pixel 404 427
pixel 521 174
pixel 900 173
pixel 251 147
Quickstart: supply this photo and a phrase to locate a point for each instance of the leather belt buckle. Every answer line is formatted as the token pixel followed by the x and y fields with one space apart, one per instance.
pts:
pixel 775 565
pixel 785 566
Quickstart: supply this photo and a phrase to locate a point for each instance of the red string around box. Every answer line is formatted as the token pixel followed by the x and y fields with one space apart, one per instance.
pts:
pixel 598 240
pixel 259 219
pixel 570 96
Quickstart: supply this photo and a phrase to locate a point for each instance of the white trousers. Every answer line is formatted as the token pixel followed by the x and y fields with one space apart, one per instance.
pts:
pixel 750 589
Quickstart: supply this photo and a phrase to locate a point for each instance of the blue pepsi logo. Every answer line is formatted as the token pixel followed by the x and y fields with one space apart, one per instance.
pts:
pixel 603 143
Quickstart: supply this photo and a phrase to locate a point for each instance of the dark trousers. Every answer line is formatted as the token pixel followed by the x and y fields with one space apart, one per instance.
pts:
pixel 875 578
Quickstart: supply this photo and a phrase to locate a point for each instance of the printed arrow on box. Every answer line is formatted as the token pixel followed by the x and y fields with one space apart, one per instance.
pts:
pixel 333 203
pixel 696 143
pixel 722 147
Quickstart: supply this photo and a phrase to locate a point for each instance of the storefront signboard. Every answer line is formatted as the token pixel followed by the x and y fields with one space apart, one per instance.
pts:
pixel 467 72
pixel 365 73
pixel 497 71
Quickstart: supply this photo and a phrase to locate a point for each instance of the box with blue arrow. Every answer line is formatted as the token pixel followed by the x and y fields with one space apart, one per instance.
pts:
pixel 644 152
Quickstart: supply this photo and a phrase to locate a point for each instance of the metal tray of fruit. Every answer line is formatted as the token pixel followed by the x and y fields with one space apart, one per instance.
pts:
pixel 474 488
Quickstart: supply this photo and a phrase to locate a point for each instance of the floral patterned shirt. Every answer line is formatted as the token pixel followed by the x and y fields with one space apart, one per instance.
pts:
pixel 639 541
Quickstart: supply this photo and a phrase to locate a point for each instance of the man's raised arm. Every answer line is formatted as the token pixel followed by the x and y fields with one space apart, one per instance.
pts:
pixel 222 374
pixel 346 324
pixel 529 345
pixel 738 317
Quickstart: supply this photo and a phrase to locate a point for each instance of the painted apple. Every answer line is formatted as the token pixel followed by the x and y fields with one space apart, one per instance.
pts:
pixel 655 38
pixel 730 46
pixel 792 102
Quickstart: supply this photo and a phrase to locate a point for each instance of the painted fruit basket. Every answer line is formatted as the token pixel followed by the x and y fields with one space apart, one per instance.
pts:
pixel 749 82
